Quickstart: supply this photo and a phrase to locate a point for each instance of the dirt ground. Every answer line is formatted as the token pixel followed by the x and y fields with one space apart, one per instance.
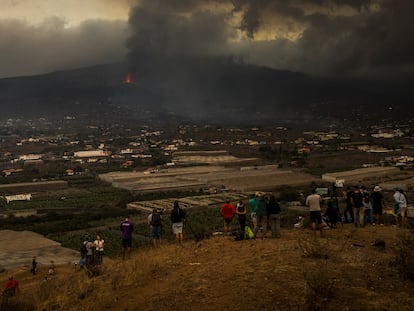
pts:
pixel 341 270
pixel 17 249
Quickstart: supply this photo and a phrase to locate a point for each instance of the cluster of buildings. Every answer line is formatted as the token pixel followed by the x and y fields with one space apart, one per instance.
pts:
pixel 120 147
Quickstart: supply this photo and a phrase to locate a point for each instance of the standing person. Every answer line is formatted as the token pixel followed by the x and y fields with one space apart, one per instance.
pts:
pixel 177 221
pixel 34 265
pixel 366 202
pixel 315 212
pixel 358 206
pixel 89 250
pixel 99 244
pixel 378 203
pixel 273 214
pixel 155 224
pixel 252 211
pixel 11 287
pixel 126 227
pixel 400 201
pixel 227 211
pixel 261 213
pixel 348 212
pixel 241 214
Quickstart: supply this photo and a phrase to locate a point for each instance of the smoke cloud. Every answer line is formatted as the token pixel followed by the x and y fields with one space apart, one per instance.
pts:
pixel 320 37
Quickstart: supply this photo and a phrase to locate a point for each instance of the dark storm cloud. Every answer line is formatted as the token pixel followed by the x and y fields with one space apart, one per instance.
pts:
pixel 26 49
pixel 369 42
pixel 253 10
pixel 376 38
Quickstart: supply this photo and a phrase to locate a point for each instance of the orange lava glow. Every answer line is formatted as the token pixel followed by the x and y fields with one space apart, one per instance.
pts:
pixel 128 78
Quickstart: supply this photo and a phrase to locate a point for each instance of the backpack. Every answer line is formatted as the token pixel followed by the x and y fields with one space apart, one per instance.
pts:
pixel 156 219
pixel 248 233
pixel 178 215
pixel 83 249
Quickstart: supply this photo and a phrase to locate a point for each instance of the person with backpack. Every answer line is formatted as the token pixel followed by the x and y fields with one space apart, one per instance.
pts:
pixel 155 224
pixel 177 221
pixel 273 214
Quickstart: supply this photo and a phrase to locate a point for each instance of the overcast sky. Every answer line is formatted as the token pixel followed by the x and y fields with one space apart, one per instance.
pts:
pixel 323 37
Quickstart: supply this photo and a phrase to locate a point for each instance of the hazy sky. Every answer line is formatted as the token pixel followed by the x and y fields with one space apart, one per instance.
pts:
pixel 325 37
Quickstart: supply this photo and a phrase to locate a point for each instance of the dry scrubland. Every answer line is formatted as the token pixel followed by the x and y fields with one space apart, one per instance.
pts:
pixel 340 271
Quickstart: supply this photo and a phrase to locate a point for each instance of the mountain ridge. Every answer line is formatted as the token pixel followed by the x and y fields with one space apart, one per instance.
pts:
pixel 194 90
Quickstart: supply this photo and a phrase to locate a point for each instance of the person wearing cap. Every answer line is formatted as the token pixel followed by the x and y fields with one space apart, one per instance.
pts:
pixel 378 203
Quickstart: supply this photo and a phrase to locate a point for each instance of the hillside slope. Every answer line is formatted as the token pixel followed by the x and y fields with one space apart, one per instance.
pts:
pixel 340 271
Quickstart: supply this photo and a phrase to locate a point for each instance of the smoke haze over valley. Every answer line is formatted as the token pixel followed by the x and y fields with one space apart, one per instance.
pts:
pixel 198 60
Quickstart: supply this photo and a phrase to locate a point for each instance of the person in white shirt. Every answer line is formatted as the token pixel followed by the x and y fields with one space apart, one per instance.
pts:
pixel 400 201
pixel 314 202
pixel 99 249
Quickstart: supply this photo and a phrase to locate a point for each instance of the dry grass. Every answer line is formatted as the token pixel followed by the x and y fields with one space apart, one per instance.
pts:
pixel 404 259
pixel 315 247
pixel 296 272
pixel 319 287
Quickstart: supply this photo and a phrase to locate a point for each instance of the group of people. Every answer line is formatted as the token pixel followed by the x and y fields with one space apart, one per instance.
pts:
pixel 92 251
pixel 154 222
pixel 361 207
pixel 364 207
pixel 264 212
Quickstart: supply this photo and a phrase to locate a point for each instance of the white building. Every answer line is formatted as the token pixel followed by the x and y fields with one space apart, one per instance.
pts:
pixel 91 153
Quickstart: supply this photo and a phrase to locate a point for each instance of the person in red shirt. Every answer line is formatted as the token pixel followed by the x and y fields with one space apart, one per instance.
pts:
pixel 227 211
pixel 11 286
